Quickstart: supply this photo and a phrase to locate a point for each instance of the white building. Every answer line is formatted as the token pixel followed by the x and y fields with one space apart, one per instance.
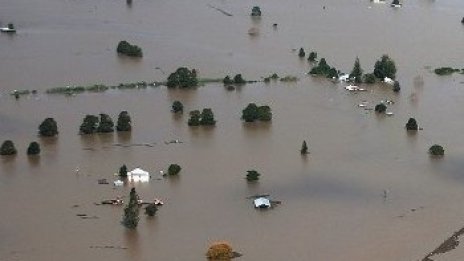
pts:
pixel 138 175
pixel 262 202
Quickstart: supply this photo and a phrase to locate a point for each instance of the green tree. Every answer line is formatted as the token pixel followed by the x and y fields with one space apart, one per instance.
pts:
pixel 256 11
pixel 301 53
pixel 131 211
pixel 396 86
pixel 48 128
pixel 395 2
pixel 128 49
pixel 123 171
pixel 324 69
pixel 177 106
pixel 238 79
pixel 264 113
pixel 8 148
pixel 436 150
pixel 357 72
pixel 174 169
pixel 207 117
pixel 124 122
pixel 151 209
pixel 227 80
pixel 195 117
pixel 183 78
pixel 385 67
pixel 369 78
pixel 106 124
pixel 312 56
pixel 304 148
pixel 33 149
pixel 380 108
pixel 250 113
pixel 89 124
pixel 252 175
pixel 412 124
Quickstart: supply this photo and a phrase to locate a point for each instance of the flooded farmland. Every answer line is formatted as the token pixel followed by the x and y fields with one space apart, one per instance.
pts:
pixel 333 204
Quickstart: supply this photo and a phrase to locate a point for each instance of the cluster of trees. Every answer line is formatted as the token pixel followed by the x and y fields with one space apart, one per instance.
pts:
pixel 182 78
pixel 238 79
pixel 446 70
pixel 311 57
pixel 128 49
pixel 205 118
pixel 256 11
pixel 324 69
pixel 252 112
pixel 104 124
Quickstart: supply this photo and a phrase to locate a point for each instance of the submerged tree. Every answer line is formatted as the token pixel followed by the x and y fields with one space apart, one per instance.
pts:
pixel 174 169
pixel 301 53
pixel 195 117
pixel 252 175
pixel 207 117
pixel 131 211
pixel 304 148
pixel 238 79
pixel 436 150
pixel 412 125
pixel 124 122
pixel 369 78
pixel 48 128
pixel 89 124
pixel 396 86
pixel 8 148
pixel 151 209
pixel 312 56
pixel 227 80
pixel 33 149
pixel 128 49
pixel 357 72
pixel 380 108
pixel 252 112
pixel 177 106
pixel 385 67
pixel 122 171
pixel 220 251
pixel 106 124
pixel 256 11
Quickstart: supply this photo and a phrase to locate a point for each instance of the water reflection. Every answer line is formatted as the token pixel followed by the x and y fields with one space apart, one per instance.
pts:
pixel 131 240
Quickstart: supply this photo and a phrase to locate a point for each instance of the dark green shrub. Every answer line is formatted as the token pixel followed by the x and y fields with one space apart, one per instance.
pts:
pixel 380 108
pixel 436 150
pixel 195 117
pixel 33 149
pixel 177 106
pixel 227 80
pixel 174 169
pixel 183 78
pixel 396 86
pixel 238 79
pixel 89 124
pixel 128 49
pixel 301 53
pixel 304 148
pixel 151 209
pixel 8 148
pixel 256 11
pixel 252 175
pixel 48 128
pixel 207 117
pixel 123 171
pixel 369 78
pixel 412 125
pixel 124 122
pixel 106 124
pixel 312 56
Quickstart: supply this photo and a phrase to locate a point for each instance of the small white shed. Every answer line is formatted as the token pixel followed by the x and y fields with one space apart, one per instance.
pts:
pixel 138 174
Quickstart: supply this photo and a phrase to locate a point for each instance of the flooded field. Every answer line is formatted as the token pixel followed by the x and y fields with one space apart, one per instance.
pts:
pixel 333 205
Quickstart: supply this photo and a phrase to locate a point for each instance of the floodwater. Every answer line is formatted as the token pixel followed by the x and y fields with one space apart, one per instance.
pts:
pixel 332 200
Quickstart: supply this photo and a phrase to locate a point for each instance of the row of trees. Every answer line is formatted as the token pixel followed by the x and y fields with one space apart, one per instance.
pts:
pixel 104 124
pixel 311 57
pixel 238 79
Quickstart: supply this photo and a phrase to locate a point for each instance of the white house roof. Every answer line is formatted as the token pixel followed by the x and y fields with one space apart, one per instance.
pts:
pixel 262 203
pixel 138 172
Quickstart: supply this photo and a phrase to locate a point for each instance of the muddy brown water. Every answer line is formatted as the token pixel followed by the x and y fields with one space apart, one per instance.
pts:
pixel 332 201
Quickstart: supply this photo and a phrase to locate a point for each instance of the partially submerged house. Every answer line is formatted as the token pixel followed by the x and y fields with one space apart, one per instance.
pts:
pixel 262 202
pixel 138 175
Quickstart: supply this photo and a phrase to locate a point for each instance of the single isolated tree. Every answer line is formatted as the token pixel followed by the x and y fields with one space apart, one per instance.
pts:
pixel 396 86
pixel 436 150
pixel 256 11
pixel 151 209
pixel 227 80
pixel 252 175
pixel 301 53
pixel 195 117
pixel 312 56
pixel 357 72
pixel 48 128
pixel 177 106
pixel 8 148
pixel 380 108
pixel 124 122
pixel 131 211
pixel 123 171
pixel 174 169
pixel 385 67
pixel 411 125
pixel 207 117
pixel 304 148
pixel 238 79
pixel 33 149
pixel 250 113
